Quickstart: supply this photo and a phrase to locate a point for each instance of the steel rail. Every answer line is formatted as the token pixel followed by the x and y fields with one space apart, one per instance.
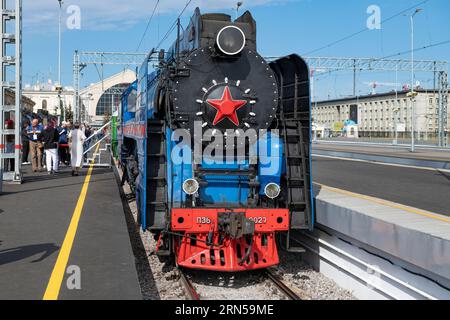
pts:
pixel 189 288
pixel 279 283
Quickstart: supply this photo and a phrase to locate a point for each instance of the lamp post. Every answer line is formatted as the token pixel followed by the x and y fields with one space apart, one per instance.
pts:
pixel 396 111
pixel 427 124
pixel 59 86
pixel 59 41
pixel 412 94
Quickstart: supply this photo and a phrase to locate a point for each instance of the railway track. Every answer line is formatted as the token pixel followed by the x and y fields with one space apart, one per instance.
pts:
pixel 271 276
pixel 188 287
pixel 282 286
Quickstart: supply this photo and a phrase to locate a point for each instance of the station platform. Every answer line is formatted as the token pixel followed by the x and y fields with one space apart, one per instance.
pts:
pixel 422 188
pixel 414 240
pixel 396 154
pixel 64 237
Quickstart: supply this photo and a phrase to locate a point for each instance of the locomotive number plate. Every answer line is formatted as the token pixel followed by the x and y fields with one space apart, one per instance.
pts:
pixel 258 220
pixel 203 220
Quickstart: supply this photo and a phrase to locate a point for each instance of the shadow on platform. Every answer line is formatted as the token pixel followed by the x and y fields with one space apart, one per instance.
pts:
pixel 44 181
pixel 24 252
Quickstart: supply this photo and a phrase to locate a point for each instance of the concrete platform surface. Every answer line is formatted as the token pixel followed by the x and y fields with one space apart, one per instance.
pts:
pixel 34 220
pixel 417 237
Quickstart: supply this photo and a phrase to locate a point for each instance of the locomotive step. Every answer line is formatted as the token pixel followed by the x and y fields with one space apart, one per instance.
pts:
pixel 289 85
pixel 156 178
pixel 296 249
pixel 297 203
pixel 289 120
pixel 293 99
pixel 293 178
pixel 297 184
pixel 157 203
pixel 153 155
pixel 300 116
pixel 293 124
pixel 155 122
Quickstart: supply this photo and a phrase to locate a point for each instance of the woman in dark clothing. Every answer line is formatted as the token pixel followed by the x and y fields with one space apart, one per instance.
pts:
pixel 50 138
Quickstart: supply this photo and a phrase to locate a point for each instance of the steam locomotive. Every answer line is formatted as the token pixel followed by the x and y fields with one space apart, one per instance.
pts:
pixel 215 143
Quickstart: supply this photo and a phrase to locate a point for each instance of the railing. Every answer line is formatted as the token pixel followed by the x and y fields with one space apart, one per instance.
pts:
pixel 99 158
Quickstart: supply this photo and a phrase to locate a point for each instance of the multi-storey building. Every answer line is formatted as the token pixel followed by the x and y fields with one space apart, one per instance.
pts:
pixel 378 115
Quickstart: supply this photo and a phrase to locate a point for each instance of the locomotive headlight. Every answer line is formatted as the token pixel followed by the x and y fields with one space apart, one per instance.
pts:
pixel 190 186
pixel 272 190
pixel 230 40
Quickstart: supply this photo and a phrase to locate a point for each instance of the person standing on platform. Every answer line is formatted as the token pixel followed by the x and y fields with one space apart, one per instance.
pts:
pixel 63 146
pixel 76 141
pixel 50 138
pixel 25 143
pixel 34 131
pixel 87 144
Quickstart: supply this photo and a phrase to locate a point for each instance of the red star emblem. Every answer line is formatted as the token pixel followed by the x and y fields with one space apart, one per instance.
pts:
pixel 226 107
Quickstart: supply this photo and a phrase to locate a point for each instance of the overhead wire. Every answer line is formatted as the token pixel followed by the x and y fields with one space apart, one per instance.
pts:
pixel 365 29
pixel 328 72
pixel 148 25
pixel 174 24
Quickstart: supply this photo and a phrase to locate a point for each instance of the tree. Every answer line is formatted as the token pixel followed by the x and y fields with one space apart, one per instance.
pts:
pixel 69 114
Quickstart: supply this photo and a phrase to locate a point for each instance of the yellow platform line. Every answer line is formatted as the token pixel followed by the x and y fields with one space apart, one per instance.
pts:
pixel 57 276
pixel 436 216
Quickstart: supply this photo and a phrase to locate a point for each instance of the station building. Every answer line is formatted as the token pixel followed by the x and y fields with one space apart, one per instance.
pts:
pixel 45 97
pixel 378 115
pixel 97 100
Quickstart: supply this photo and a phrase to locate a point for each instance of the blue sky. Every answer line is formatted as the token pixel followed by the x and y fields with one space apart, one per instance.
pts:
pixel 284 27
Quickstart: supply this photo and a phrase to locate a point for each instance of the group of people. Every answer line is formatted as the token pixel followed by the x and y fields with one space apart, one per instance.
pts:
pixel 57 144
